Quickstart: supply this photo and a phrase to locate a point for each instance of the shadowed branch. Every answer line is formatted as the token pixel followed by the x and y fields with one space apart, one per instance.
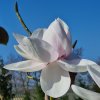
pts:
pixel 74 44
pixel 21 20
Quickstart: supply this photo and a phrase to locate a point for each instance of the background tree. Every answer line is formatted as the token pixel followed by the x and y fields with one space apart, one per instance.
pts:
pixel 5 83
pixel 25 83
pixel 94 86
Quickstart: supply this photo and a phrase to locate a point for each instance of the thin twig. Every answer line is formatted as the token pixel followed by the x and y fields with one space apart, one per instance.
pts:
pixel 21 20
pixel 73 75
pixel 74 44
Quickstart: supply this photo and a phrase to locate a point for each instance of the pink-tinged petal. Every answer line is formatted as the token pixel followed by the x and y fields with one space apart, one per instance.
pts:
pixel 56 36
pixel 94 71
pixel 26 66
pixel 76 65
pixel 44 51
pixel 38 33
pixel 37 49
pixel 85 94
pixel 55 81
pixel 66 28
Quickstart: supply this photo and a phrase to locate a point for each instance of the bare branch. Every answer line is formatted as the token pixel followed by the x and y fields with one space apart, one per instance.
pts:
pixel 74 44
pixel 21 20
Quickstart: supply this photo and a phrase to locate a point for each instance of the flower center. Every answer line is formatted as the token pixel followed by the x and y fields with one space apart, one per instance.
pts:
pixel 59 58
pixel 62 57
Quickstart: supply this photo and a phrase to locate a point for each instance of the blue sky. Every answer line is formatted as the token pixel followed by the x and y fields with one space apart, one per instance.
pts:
pixel 82 17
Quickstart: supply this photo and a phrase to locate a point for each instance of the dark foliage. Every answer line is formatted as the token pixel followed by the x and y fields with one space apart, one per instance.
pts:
pixel 5 83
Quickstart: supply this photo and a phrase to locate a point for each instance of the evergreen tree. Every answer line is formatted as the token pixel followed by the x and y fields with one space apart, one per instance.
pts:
pixel 37 93
pixel 5 83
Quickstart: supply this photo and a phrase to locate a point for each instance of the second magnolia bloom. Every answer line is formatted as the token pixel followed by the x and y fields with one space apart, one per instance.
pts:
pixel 50 50
pixel 85 94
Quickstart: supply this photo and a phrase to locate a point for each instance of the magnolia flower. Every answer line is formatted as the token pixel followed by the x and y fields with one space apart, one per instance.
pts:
pixel 50 50
pixel 85 94
pixel 94 71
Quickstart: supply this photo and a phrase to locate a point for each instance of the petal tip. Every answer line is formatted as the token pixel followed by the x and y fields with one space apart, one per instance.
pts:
pixel 15 35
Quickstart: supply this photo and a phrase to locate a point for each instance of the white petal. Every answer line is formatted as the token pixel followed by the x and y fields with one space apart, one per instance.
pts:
pixel 22 52
pixel 44 51
pixel 56 36
pixel 26 45
pixel 54 81
pixel 66 28
pixel 37 49
pixel 76 65
pixel 95 73
pixel 23 44
pixel 26 66
pixel 85 94
pixel 38 33
pixel 19 38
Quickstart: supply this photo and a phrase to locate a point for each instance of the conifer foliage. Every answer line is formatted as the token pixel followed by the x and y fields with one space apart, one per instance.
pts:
pixel 5 83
